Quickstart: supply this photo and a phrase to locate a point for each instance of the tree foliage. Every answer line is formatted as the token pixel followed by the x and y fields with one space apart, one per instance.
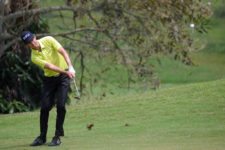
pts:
pixel 133 31
pixel 20 80
pixel 127 32
pixel 145 27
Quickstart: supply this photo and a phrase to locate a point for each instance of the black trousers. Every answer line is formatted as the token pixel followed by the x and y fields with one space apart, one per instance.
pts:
pixel 55 90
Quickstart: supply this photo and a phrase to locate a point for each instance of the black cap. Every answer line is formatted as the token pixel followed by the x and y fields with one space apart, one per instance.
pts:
pixel 27 37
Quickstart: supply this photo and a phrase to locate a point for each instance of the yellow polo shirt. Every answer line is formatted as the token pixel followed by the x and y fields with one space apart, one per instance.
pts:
pixel 49 53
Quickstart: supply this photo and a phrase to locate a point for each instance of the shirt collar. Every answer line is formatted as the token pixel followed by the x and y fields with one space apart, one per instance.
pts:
pixel 41 44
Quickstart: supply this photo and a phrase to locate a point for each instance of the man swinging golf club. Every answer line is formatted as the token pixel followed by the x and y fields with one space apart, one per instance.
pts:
pixel 50 56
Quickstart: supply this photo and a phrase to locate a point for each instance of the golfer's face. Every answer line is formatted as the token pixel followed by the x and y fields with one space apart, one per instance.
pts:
pixel 34 44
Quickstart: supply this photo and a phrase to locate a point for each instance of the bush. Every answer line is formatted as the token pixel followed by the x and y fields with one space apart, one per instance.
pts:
pixel 12 107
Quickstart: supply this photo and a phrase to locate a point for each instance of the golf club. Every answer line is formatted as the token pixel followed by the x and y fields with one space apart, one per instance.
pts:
pixel 77 91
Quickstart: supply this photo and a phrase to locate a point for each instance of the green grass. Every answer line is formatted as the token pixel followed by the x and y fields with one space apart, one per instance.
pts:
pixel 207 66
pixel 187 117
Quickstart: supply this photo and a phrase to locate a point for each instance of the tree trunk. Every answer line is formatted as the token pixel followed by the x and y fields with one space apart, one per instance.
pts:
pixel 2 4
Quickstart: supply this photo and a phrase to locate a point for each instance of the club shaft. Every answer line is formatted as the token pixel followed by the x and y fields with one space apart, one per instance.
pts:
pixel 75 85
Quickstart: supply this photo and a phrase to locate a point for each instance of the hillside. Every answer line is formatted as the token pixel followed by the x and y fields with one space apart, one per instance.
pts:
pixel 187 117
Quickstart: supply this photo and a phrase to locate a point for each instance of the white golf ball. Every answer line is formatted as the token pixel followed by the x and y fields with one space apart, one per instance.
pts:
pixel 192 25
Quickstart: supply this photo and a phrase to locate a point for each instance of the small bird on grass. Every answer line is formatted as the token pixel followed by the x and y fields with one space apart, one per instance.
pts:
pixel 90 126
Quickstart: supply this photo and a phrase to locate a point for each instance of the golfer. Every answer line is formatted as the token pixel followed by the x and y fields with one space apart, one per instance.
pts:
pixel 53 59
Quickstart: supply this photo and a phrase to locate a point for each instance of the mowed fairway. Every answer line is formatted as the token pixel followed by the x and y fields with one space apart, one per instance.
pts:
pixel 185 117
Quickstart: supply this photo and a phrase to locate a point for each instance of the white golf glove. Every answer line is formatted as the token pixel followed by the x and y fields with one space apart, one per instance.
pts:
pixel 71 69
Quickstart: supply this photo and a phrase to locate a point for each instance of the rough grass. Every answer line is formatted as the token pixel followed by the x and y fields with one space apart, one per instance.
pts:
pixel 187 117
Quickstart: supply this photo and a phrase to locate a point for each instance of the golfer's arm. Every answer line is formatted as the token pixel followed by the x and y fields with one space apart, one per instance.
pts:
pixel 63 52
pixel 54 68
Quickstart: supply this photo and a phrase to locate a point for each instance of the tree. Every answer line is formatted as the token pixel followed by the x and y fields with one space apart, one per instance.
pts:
pixel 19 79
pixel 127 32
pixel 133 31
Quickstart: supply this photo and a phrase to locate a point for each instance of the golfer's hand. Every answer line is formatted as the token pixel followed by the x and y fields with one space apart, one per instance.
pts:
pixel 70 74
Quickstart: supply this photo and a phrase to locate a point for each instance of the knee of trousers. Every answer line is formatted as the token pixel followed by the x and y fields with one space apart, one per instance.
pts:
pixel 61 109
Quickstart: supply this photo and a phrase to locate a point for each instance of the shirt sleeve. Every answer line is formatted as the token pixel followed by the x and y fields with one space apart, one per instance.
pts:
pixel 38 61
pixel 55 44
